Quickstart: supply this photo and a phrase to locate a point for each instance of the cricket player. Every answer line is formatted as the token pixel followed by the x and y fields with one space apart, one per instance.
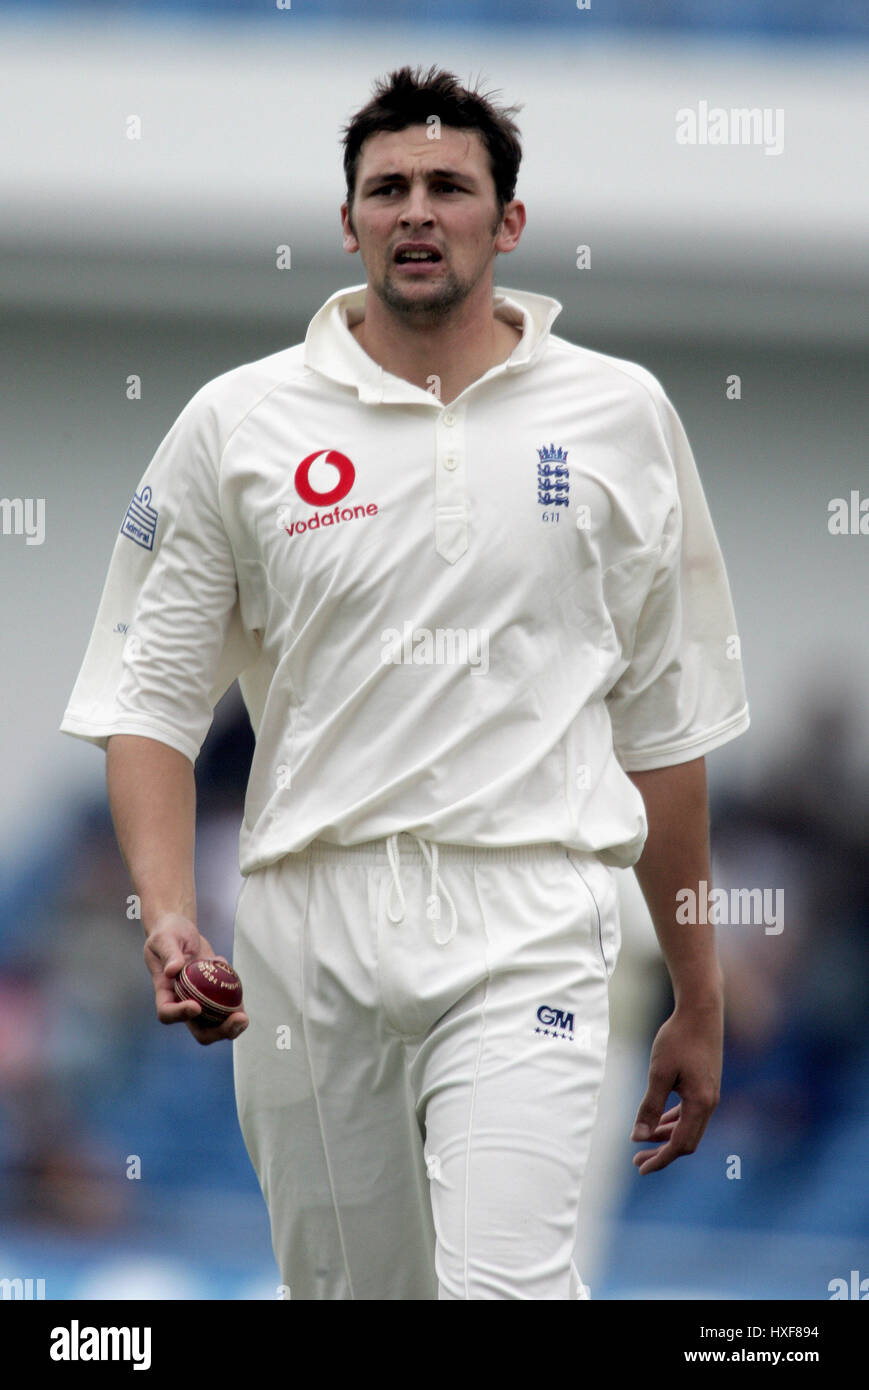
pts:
pixel 466 576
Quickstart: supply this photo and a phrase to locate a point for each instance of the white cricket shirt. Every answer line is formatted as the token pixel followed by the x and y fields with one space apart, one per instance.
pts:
pixel 461 620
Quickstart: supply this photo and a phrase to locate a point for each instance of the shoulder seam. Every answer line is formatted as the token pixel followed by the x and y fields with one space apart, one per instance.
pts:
pixel 562 344
pixel 246 415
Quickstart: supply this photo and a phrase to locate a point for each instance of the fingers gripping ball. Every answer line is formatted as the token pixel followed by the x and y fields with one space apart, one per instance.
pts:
pixel 214 985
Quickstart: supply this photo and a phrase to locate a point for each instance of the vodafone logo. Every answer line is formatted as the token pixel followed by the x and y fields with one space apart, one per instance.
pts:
pixel 322 520
pixel 346 478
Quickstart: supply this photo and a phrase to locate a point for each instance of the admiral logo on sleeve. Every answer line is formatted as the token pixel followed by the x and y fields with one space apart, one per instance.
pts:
pixel 140 522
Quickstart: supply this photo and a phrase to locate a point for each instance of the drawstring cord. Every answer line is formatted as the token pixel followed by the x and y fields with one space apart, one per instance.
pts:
pixel 430 854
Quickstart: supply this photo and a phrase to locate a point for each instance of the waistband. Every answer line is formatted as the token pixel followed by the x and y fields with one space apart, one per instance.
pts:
pixel 377 851
pixel 414 848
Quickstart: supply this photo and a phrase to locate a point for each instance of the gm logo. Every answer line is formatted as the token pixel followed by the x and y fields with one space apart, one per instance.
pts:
pixel 554 1023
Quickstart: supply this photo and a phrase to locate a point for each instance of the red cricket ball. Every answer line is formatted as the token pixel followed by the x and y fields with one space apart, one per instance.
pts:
pixel 214 985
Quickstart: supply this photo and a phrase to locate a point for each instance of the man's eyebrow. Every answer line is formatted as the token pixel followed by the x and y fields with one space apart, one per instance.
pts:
pixel 453 175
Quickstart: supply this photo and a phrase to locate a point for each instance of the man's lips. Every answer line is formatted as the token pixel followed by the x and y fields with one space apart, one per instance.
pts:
pixel 414 253
pixel 417 267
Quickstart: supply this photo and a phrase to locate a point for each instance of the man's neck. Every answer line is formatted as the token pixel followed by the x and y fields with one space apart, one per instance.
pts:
pixel 443 358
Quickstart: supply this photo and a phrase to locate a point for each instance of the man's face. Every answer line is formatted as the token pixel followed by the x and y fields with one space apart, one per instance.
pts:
pixel 436 193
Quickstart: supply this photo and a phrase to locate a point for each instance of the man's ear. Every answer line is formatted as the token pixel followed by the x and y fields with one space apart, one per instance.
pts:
pixel 511 226
pixel 351 243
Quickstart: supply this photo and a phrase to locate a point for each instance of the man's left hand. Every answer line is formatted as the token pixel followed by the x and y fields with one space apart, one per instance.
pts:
pixel 686 1058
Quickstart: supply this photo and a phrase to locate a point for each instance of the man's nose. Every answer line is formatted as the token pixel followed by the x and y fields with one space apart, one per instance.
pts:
pixel 418 206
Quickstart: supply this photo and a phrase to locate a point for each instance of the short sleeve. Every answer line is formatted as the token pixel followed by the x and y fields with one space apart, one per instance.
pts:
pixel 168 639
pixel 682 693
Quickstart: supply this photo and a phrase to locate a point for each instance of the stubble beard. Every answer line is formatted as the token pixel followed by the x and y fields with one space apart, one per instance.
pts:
pixel 435 308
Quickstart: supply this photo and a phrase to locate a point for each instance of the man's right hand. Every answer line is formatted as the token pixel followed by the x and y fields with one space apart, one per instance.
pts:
pixel 171 944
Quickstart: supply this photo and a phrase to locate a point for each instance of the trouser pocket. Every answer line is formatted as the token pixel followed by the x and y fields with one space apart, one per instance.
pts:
pixel 599 883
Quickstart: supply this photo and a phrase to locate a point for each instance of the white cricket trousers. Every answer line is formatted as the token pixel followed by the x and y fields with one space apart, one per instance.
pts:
pixel 419 1080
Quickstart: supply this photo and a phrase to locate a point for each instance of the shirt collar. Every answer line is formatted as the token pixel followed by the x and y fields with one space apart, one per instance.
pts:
pixel 331 349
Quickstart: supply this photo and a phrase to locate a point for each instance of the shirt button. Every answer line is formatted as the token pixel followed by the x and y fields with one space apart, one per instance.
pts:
pixel 449 462
pixel 449 418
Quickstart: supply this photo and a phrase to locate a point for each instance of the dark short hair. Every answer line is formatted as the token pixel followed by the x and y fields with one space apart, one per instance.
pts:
pixel 409 96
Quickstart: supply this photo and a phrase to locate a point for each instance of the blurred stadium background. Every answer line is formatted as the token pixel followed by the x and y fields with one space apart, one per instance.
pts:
pixel 156 257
